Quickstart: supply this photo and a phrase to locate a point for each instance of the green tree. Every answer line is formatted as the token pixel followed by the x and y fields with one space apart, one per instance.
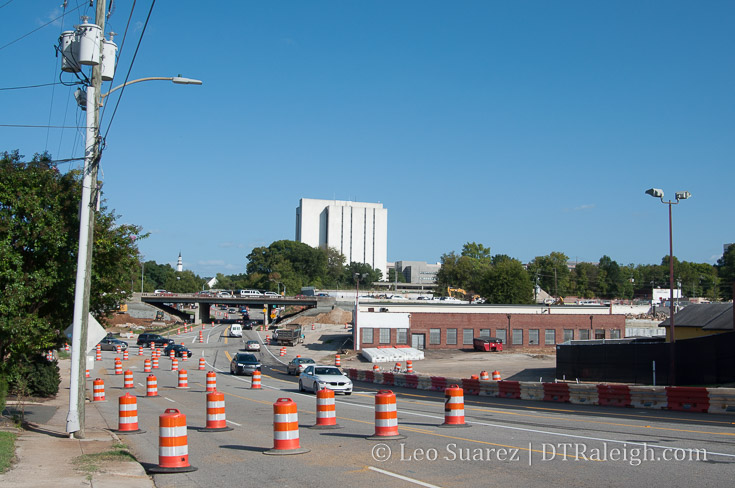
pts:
pixel 366 273
pixel 552 271
pixel 394 277
pixel 726 271
pixel 476 251
pixel 506 282
pixel 39 229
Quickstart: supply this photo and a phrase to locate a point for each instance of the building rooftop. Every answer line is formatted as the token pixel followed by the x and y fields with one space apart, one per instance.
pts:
pixel 708 316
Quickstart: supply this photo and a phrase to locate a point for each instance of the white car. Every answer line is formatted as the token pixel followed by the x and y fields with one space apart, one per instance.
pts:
pixel 316 377
pixel 252 346
pixel 271 294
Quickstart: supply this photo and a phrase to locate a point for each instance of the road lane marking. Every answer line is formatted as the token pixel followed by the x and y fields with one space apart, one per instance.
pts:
pixel 172 401
pixel 401 477
pixel 233 423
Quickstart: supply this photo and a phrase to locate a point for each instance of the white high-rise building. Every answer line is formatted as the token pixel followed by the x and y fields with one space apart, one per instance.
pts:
pixel 179 264
pixel 357 230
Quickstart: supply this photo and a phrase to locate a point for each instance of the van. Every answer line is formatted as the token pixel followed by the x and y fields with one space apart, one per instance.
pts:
pixel 250 293
pixel 236 330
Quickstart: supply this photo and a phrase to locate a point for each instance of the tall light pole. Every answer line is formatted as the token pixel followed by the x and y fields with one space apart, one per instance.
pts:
pixel 680 195
pixel 90 195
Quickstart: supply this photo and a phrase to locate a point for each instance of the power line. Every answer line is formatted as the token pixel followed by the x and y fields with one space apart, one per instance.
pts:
pixel 28 126
pixel 119 54
pixel 38 28
pixel 127 76
pixel 6 3
pixel 29 86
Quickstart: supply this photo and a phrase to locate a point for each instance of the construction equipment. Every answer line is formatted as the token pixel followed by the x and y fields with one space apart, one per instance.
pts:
pixel 452 292
pixel 290 335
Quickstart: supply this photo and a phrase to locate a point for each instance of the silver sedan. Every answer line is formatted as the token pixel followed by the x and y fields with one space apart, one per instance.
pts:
pixel 315 378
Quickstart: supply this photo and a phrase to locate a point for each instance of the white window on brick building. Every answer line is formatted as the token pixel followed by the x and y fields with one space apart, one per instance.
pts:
pixel 467 336
pixel 533 336
pixel 615 333
pixel 367 336
pixel 568 335
pixel 518 337
pixel 451 336
pixel 435 336
pixel 550 337
pixel 401 336
pixel 385 336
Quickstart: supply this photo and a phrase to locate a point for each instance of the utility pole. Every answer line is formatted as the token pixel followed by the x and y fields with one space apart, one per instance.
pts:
pixel 77 395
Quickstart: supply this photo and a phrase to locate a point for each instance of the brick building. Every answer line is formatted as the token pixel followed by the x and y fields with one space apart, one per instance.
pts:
pixel 454 327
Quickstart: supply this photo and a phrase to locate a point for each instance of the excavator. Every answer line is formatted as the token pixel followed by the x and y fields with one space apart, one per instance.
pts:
pixel 453 292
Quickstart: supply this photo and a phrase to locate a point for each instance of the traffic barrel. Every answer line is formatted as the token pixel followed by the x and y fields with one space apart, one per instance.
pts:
pixel 397 368
pixel 66 347
pixel 326 415
pixel 178 331
pixel 298 355
pixel 98 353
pixel 313 326
pixel 285 428
pixel 215 413
pixel 283 351
pixel 409 366
pixel 474 377
pixel 171 355
pixel 153 348
pixel 147 366
pixel 140 350
pixel 86 374
pixel 484 375
pixel 338 360
pixel 125 355
pixel 255 385
pixel 454 407
pixel 155 362
pixel 173 450
pixel 118 349
pixel 128 415
pixel 174 364
pixel 151 386
pixel 496 375
pixel 202 364
pixel 201 337
pixel 267 339
pixel 118 366
pixel 376 367
pixel 98 390
pixel 128 380
pixel 184 355
pixel 211 381
pixel 386 417
pixel 183 379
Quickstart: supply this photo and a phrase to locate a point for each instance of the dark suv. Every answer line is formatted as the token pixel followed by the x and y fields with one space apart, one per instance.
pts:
pixel 160 341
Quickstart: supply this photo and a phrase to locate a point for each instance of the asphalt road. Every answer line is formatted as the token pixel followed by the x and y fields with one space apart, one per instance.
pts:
pixel 509 442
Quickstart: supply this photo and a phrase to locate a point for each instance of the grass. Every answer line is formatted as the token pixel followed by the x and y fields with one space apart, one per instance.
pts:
pixel 91 463
pixel 63 355
pixel 7 450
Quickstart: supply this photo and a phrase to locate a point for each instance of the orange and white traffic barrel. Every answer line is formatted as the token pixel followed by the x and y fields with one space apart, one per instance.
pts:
pixel 454 407
pixel 118 349
pixel 153 348
pixel 125 355
pixel 154 362
pixel 255 384
pixel 128 380
pixel 326 414
pixel 171 355
pixel 174 364
pixel 183 379
pixel 484 375
pixel 285 428
pixel 98 390
pixel 178 331
pixel 267 339
pixel 147 366
pixel 173 448
pixel 215 413
pixel 338 360
pixel 397 368
pixel 151 386
pixel 66 347
pixel 128 415
pixel 140 350
pixel 496 375
pixel 386 416
pixel 211 381
pixel 201 337
pixel 409 366
pixel 474 377
pixel 118 366
pixel 313 326
pixel 98 353
pixel 185 355
pixel 202 364
pixel 376 367
pixel 283 351
pixel 86 373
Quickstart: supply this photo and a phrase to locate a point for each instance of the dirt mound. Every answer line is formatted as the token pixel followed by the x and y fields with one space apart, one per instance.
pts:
pixel 335 316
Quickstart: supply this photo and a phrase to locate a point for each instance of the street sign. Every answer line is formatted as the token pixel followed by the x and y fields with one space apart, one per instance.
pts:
pixel 95 333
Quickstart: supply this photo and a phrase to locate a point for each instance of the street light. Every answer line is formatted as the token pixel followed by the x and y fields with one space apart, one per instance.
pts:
pixel 680 195
pixel 174 79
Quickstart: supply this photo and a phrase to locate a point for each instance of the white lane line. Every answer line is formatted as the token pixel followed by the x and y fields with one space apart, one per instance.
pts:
pixel 141 385
pixel 269 351
pixel 172 401
pixel 546 432
pixel 401 477
pixel 233 423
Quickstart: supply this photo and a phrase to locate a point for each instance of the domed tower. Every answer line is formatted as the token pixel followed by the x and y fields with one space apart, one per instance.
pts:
pixel 179 264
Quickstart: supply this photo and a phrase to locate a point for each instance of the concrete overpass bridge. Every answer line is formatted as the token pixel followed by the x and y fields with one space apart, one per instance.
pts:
pixel 168 301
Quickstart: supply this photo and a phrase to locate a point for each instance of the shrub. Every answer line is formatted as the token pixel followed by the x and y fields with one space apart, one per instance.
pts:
pixel 36 377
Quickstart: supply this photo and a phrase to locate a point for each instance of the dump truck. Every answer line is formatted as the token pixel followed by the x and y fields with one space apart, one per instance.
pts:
pixel 290 335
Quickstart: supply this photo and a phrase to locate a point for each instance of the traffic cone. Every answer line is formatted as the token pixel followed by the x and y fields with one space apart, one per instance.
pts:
pixel 125 355
pixel 173 450
pixel 147 366
pixel 326 416
pixel 338 360
pixel 285 428
pixel 211 381
pixel 98 390
pixel 376 367
pixel 118 366
pixel 386 417
pixel 183 379
pixel 201 337
pixel 66 347
pixel 128 415
pixel 202 364
pixel 128 380
pixel 151 384
pixel 496 375
pixel 453 407
pixel 98 353
pixel 409 366
pixel 255 385
pixel 174 364
pixel 484 375
pixel 216 421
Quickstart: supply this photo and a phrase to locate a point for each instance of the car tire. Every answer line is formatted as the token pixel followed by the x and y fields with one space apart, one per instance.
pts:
pixel 348 393
pixel 301 386
pixel 314 387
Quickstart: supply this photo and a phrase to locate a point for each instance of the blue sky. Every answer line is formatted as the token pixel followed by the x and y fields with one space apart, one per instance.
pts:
pixel 528 126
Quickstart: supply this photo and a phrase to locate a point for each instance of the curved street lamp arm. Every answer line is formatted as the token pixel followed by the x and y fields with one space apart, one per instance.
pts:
pixel 175 79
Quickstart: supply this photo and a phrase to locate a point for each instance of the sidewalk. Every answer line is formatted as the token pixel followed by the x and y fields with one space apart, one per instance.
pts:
pixel 45 454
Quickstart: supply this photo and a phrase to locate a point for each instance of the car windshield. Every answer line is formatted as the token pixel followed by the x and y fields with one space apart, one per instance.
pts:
pixel 327 371
pixel 306 361
pixel 252 342
pixel 246 357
